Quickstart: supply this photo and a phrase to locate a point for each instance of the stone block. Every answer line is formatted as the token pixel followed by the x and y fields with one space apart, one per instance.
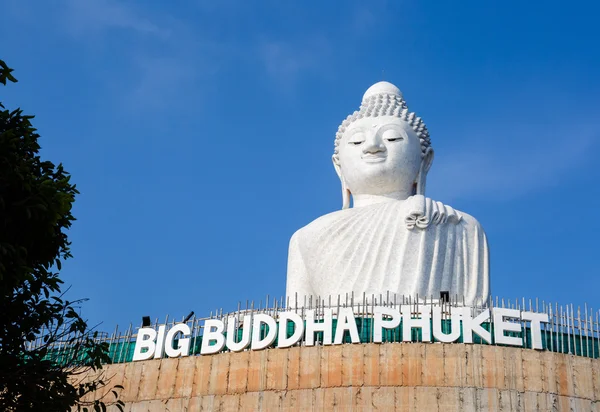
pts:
pixel 513 368
pixel 596 378
pixel 383 398
pixel 583 380
pixel 293 374
pixel 352 365
pixel 238 372
pixel 433 365
pixel 533 375
pixel 470 398
pixel 149 379
pixel 449 399
pixel 564 375
pixel 492 373
pixel 201 375
pixel 194 404
pixel 405 399
pixel 565 403
pixel 305 399
pixel 257 371
pixel 530 402
pixel 112 375
pixel 509 400
pixel 427 398
pixel 229 403
pixel 250 401
pixel 475 369
pixel 412 364
pixel 210 403
pixel 184 380
pixel 271 401
pixel 131 381
pixel 277 369
pixel 176 404
pixel 390 363
pixel 455 364
pixel 338 399
pixel 363 398
pixel 331 366
pixel 548 361
pixel 371 362
pixel 219 374
pixel 166 379
pixel 289 401
pixel 310 368
pixel 319 399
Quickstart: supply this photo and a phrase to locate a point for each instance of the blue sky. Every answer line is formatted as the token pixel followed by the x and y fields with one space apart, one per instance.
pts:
pixel 200 134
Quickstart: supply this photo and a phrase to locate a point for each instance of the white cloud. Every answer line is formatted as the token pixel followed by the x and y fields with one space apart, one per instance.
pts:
pixel 96 15
pixel 508 168
pixel 286 61
pixel 159 81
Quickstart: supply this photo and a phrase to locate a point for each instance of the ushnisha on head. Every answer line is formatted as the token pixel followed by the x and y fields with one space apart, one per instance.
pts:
pixel 382 149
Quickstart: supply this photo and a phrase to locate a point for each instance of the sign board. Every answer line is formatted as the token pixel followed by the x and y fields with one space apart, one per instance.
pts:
pixel 334 326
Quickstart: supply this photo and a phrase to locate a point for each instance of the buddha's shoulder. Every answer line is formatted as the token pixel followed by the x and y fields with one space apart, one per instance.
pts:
pixel 451 215
pixel 436 213
pixel 322 223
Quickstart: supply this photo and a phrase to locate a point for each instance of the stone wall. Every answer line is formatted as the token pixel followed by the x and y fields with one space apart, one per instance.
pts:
pixel 404 377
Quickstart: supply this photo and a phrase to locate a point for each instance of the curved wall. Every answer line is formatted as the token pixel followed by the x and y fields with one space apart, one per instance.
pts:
pixel 390 376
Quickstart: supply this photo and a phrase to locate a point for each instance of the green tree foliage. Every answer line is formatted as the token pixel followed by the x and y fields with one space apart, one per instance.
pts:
pixel 35 213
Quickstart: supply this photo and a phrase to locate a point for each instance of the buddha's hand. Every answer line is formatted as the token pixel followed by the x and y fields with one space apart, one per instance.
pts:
pixel 423 212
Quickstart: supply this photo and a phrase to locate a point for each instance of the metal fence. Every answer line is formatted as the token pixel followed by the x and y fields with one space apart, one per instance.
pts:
pixel 570 330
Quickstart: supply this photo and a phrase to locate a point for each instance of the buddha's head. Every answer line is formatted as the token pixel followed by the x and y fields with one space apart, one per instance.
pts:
pixel 382 148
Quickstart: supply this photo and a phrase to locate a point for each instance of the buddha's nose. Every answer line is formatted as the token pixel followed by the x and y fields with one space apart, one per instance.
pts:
pixel 374 145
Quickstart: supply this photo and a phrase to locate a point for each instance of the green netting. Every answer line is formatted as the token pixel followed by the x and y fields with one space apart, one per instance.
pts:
pixel 556 342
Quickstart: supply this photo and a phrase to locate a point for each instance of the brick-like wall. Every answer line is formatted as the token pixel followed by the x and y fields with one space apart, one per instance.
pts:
pixel 391 376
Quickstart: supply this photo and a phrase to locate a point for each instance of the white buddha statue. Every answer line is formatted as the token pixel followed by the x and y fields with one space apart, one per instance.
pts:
pixel 393 238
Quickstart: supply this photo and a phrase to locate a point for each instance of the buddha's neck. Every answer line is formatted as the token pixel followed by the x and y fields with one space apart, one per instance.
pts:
pixel 366 200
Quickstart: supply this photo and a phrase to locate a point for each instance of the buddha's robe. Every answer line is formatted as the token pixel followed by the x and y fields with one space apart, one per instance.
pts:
pixel 416 247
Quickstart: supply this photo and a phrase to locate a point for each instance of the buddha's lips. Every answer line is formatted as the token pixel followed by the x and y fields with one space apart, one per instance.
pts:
pixel 374 158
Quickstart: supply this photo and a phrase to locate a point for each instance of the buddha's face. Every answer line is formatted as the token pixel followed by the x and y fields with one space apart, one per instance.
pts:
pixel 379 155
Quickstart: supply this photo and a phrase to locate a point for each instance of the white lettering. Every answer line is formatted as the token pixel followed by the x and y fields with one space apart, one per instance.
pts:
pixel 257 342
pixel 284 341
pixel 312 326
pixel 408 322
pixel 473 325
pixel 232 345
pixel 454 334
pixel 145 340
pixel 183 345
pixel 346 322
pixel 160 342
pixel 213 332
pixel 501 325
pixel 536 330
pixel 379 322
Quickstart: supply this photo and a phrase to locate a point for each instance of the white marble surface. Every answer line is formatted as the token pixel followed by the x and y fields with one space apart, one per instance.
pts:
pixel 393 238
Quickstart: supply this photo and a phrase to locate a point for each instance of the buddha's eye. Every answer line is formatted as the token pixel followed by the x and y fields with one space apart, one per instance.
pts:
pixel 356 139
pixel 392 136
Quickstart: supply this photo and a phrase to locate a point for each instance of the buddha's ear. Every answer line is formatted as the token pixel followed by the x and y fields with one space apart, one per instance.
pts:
pixel 345 191
pixel 422 176
pixel 428 159
pixel 336 166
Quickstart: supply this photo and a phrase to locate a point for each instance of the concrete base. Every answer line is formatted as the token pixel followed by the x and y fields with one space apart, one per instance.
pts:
pixel 392 376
